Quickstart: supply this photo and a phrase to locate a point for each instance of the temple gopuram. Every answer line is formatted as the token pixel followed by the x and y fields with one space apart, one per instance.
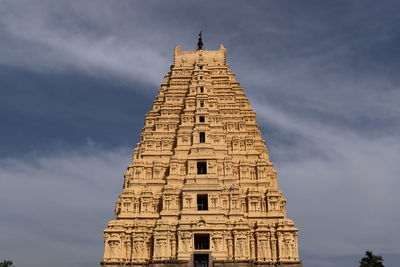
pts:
pixel 200 190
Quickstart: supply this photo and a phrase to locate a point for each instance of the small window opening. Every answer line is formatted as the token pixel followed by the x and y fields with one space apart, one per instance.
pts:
pixel 202 119
pixel 201 67
pixel 202 89
pixel 201 241
pixel 202 202
pixel 201 167
pixel 201 104
pixel 202 137
pixel 201 77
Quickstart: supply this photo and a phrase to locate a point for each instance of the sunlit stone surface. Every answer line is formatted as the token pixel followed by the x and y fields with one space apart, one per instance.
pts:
pixel 200 190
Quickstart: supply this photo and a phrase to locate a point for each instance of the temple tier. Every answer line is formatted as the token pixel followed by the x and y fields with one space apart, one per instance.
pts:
pixel 200 190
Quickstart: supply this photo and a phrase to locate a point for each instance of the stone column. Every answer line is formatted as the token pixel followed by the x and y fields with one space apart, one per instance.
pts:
pixel 295 248
pixel 268 252
pixel 274 254
pixel 230 247
pixel 128 248
pixel 252 247
pixel 173 246
pixel 106 247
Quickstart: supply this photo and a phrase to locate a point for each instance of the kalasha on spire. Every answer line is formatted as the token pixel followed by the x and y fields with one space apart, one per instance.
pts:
pixel 200 189
pixel 200 42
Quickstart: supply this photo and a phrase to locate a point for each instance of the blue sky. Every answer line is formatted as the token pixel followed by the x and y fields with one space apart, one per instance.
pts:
pixel 76 79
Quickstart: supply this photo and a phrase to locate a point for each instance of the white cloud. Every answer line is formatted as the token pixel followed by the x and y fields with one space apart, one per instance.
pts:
pixel 341 186
pixel 64 37
pixel 54 207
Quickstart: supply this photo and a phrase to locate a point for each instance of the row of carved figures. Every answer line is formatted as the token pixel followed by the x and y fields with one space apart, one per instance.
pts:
pixel 189 72
pixel 240 245
pixel 270 203
pixel 244 144
pixel 240 171
pixel 244 124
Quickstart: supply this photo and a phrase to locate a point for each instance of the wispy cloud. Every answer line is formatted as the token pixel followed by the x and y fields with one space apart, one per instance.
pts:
pixel 341 184
pixel 60 38
pixel 58 205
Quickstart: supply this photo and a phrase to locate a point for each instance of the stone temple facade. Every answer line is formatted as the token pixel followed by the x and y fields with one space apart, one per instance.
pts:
pixel 201 190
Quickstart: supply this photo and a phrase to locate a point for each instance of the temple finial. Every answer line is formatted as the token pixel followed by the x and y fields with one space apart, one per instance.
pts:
pixel 200 42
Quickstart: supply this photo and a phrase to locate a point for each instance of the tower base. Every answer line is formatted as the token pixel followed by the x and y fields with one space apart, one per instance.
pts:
pixel 215 263
pixel 233 263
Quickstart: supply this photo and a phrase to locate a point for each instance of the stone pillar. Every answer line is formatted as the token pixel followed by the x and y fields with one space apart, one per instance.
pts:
pixel 295 247
pixel 268 252
pixel 252 247
pixel 274 249
pixel 128 247
pixel 229 241
pixel 173 246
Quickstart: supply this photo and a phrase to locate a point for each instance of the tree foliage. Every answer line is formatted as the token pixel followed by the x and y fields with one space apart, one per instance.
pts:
pixel 371 260
pixel 6 263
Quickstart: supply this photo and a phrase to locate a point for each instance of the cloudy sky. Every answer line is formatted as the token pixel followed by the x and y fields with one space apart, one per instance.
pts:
pixel 77 77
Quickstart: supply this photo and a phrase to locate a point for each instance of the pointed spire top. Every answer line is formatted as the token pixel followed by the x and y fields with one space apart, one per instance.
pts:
pixel 200 42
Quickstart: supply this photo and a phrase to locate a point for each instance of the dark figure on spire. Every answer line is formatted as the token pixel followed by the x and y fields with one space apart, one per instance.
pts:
pixel 200 43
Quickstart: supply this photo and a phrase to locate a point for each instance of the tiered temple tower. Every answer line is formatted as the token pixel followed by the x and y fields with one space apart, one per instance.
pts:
pixel 201 190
